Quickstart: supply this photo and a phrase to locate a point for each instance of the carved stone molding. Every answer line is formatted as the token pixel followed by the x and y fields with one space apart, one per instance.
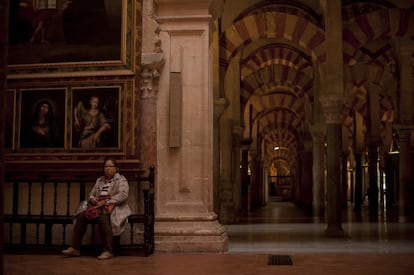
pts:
pixel 332 108
pixel 237 134
pixel 220 105
pixel 152 64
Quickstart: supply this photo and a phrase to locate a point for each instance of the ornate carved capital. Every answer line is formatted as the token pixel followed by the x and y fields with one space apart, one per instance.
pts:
pixel 332 107
pixel 318 133
pixel 152 64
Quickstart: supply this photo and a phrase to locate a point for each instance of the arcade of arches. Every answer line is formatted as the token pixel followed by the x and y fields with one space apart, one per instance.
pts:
pixel 244 101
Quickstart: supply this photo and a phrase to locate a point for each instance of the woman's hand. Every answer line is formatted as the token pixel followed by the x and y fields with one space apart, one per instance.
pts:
pixel 101 203
pixel 94 201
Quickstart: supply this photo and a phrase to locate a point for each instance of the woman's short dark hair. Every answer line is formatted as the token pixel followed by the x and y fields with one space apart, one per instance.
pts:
pixel 113 161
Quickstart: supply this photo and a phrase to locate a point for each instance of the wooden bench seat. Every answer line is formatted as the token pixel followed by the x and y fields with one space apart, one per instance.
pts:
pixel 19 228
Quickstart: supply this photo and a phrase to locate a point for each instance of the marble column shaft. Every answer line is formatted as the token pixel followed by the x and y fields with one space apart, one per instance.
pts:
pixel 358 198
pixel 405 128
pixel 332 100
pixel 318 189
pixel 405 199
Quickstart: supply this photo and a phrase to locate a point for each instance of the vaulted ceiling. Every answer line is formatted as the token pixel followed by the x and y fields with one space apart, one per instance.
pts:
pixel 281 45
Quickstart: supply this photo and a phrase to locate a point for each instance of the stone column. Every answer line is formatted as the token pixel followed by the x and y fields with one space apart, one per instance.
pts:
pixel 229 185
pixel 405 199
pixel 152 64
pixel 231 135
pixel 405 50
pixel 332 107
pixel 263 182
pixel 373 141
pixel 305 192
pixel 358 197
pixel 255 180
pixel 185 220
pixel 373 176
pixel 220 105
pixel 318 172
pixel 405 127
pixel 245 179
pixel 236 147
pixel 344 180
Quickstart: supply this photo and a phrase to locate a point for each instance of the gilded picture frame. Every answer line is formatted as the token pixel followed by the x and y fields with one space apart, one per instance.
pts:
pixel 69 37
pixel 96 118
pixel 41 119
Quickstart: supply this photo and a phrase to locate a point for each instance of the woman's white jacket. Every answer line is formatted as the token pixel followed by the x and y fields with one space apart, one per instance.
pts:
pixel 119 190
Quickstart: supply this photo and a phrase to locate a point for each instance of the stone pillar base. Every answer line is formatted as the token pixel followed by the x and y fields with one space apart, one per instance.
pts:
pixel 335 232
pixel 228 214
pixel 190 236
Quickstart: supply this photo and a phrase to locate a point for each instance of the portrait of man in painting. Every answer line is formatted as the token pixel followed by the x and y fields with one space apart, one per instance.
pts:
pixel 56 31
pixel 42 118
pixel 95 118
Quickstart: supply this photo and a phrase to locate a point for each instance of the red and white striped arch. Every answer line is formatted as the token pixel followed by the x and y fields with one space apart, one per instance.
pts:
pixel 293 28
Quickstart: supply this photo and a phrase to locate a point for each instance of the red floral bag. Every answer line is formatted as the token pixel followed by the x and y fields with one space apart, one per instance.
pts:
pixel 93 212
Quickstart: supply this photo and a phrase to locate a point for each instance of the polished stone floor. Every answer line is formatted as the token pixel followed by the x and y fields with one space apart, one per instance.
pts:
pixel 380 245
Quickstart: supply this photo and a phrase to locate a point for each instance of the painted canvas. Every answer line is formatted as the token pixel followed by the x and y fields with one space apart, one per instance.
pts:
pixel 42 114
pixel 59 31
pixel 95 117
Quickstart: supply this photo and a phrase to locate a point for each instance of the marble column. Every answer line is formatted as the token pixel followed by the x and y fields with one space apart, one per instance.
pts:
pixel 405 50
pixel 344 180
pixel 263 182
pixel 231 134
pixel 405 128
pixel 220 104
pixel 318 172
pixel 152 65
pixel 255 180
pixel 305 192
pixel 373 176
pixel 405 199
pixel 236 147
pixel 358 197
pixel 332 101
pixel 245 178
pixel 185 220
pixel 373 142
pixel 332 107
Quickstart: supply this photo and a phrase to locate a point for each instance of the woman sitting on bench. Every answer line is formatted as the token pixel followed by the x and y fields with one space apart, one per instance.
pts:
pixel 107 203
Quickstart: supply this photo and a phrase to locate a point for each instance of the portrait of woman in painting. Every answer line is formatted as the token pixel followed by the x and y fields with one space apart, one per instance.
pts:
pixel 93 125
pixel 42 131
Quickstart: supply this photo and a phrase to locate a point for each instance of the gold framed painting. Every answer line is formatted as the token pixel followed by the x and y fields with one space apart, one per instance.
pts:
pixel 41 118
pixel 96 118
pixel 69 36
